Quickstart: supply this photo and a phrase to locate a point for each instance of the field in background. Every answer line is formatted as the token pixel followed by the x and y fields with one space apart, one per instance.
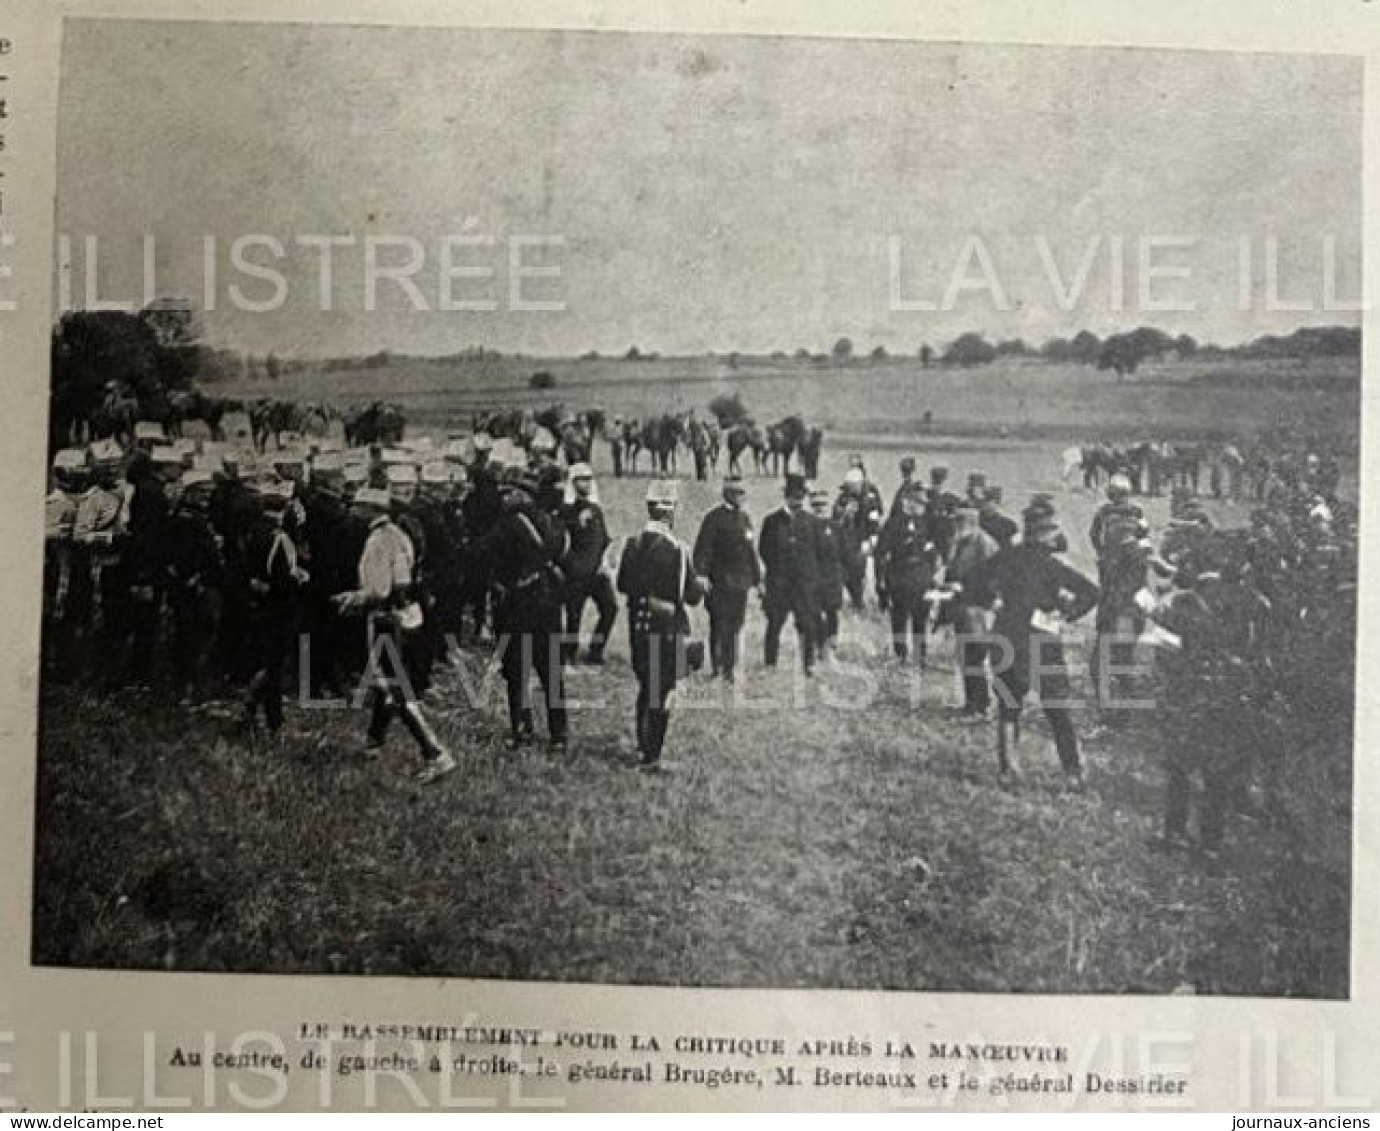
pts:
pixel 1016 398
pixel 844 832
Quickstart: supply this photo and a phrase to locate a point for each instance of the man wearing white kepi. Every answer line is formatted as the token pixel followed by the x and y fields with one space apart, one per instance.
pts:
pixel 386 596
pixel 658 578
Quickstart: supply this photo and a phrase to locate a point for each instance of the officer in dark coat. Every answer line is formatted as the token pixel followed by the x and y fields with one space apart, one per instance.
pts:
pixel 195 568
pixel 586 579
pixel 275 580
pixel 1002 528
pixel 1211 689
pixel 909 560
pixel 726 558
pixel 1036 591
pixel 332 568
pixel 858 518
pixel 657 574
pixel 790 552
pixel 526 548
pixel 830 591
pixel 481 509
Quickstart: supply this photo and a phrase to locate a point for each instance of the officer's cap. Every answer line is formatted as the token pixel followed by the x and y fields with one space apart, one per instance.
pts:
pixel 197 477
pixel 148 430
pixel 436 474
pixel 69 459
pixel 402 474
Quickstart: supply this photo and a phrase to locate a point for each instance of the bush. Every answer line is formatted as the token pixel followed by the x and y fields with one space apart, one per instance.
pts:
pixel 542 379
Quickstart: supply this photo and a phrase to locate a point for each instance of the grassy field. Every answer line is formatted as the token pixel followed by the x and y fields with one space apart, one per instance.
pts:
pixel 1022 399
pixel 839 832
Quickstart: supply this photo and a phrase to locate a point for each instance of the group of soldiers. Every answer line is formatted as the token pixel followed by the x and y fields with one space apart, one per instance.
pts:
pixel 240 567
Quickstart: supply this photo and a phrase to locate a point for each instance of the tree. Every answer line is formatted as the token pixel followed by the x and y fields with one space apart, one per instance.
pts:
pixel 633 354
pixel 1012 347
pixel 926 357
pixel 542 379
pixel 968 350
pixel 879 354
pixel 1124 353
pixel 1057 349
pixel 1085 348
pixel 97 353
pixel 843 350
pixel 1185 345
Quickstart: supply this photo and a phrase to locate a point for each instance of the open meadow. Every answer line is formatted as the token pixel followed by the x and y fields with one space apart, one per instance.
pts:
pixel 843 831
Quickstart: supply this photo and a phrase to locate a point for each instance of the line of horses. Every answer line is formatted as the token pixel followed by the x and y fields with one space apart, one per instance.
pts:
pixel 666 439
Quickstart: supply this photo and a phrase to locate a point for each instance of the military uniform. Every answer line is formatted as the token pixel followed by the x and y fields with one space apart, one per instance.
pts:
pixel 1031 583
pixel 658 577
pixel 726 557
pixel 195 573
pixel 973 616
pixel 790 552
pixel 275 579
pixel 909 560
pixel 1209 695
pixel 585 577
pixel 526 547
pixel 829 595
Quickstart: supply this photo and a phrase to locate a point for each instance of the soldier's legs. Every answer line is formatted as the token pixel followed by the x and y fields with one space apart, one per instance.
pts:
pixel 574 614
pixel 900 625
pixel 777 611
pixel 973 649
pixel 606 602
pixel 515 661
pixel 727 611
pixel 546 658
pixel 855 573
pixel 805 610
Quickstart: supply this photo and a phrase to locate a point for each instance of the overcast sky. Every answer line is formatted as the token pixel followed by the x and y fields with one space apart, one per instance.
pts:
pixel 710 193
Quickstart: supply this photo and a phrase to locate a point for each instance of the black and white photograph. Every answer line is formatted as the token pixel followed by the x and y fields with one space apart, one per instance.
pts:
pixel 700 510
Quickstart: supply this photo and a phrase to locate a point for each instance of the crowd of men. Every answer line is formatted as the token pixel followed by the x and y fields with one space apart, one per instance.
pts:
pixel 238 567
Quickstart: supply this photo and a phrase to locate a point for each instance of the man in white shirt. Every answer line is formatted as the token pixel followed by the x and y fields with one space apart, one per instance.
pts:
pixel 385 595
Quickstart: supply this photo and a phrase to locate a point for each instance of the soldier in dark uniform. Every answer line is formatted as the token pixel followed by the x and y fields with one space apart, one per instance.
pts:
pixel 526 547
pixel 1001 527
pixel 276 578
pixel 586 579
pixel 233 511
pixel 1035 591
pixel 1210 687
pixel 658 577
pixel 195 569
pixel 441 575
pixel 909 560
pixel 481 510
pixel 858 518
pixel 331 565
pixel 790 553
pixel 830 591
pixel 941 507
pixel 973 601
pixel 133 616
pixel 907 468
pixel 725 557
